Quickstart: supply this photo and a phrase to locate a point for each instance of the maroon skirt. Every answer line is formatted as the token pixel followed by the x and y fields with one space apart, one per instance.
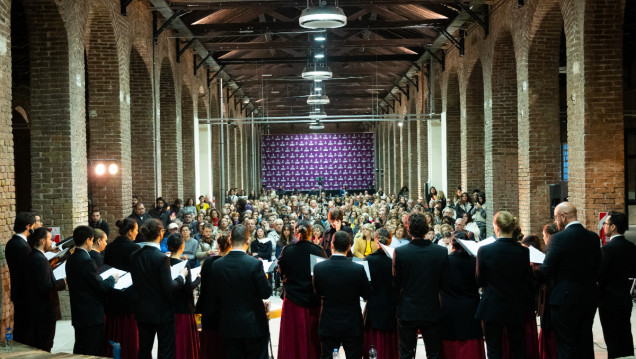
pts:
pixel 468 349
pixel 547 344
pixel 212 346
pixel 122 329
pixel 298 332
pixel 530 336
pixel 187 336
pixel 385 343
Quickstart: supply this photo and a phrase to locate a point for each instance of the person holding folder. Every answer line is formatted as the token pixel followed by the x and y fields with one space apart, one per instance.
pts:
pixel 301 306
pixel 87 291
pixel 504 273
pixel 340 283
pixel 42 288
pixel 121 326
pixel 380 321
pixel 152 278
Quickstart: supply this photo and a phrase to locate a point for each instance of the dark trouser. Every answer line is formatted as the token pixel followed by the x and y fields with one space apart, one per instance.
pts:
pixel 407 335
pixel 617 329
pixel 573 327
pixel 494 339
pixel 353 346
pixel 43 334
pixel 90 340
pixel 246 348
pixel 21 323
pixel 165 334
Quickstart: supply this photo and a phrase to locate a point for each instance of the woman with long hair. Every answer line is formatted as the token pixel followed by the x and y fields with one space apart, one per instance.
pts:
pixel 214 216
pixel 462 336
pixel 189 207
pixel 317 231
pixel 187 338
pixel 211 343
pixel 121 326
pixel 480 214
pixel 301 306
pixel 365 245
pixel 399 239
pixel 261 247
pixel 380 325
pixel 463 205
pixel 286 238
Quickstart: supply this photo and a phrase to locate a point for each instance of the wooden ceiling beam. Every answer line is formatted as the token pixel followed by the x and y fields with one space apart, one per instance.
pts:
pixel 329 45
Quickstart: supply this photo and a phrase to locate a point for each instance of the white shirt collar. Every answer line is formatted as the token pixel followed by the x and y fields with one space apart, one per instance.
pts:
pixel 237 250
pixel 617 235
pixel 571 223
pixel 21 236
pixel 153 244
pixel 338 254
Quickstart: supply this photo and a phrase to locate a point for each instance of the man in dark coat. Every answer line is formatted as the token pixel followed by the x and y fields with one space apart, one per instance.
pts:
pixel 16 251
pixel 340 283
pixel 97 222
pixel 87 291
pixel 243 320
pixel 139 214
pixel 572 262
pixel 418 303
pixel 618 265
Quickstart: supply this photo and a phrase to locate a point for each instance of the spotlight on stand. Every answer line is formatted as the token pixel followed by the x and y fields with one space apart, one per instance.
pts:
pixel 322 17
pixel 101 166
pixel 100 169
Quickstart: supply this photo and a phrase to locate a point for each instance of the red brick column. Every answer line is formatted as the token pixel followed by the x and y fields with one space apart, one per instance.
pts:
pixel 142 130
pixel 170 133
pixel 108 117
pixel 451 106
pixel 187 140
pixel 472 148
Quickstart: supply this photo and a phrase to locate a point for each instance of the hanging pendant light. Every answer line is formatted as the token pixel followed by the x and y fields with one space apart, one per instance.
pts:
pixel 322 17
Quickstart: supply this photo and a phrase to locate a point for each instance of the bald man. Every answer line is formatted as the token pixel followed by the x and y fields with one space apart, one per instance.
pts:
pixel 572 263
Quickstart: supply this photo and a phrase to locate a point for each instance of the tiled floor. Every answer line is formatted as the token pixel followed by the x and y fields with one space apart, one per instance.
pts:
pixel 64 335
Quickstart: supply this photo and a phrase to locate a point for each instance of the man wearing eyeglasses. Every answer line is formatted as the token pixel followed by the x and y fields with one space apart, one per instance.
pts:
pixel 618 265
pixel 572 262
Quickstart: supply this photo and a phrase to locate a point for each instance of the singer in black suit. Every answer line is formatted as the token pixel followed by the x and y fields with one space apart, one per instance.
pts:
pixel 504 273
pixel 572 263
pixel 42 299
pixel 121 326
pixel 240 287
pixel 16 251
pixel 420 269
pixel 152 278
pixel 340 283
pixel 380 320
pixel 618 264
pixel 86 291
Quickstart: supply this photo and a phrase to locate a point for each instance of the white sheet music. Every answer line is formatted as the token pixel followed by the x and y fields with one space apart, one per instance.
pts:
pixel 388 250
pixel 112 271
pixel 472 247
pixel 60 271
pixel 124 281
pixel 51 255
pixel 536 256
pixel 175 269
pixel 313 260
pixel 194 272
pixel 365 264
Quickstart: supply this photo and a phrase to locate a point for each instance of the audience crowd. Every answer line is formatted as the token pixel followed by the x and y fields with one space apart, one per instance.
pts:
pixel 413 262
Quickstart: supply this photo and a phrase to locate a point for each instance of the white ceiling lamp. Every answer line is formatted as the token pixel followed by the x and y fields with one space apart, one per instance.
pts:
pixel 316 126
pixel 318 115
pixel 317 100
pixel 317 71
pixel 320 37
pixel 322 17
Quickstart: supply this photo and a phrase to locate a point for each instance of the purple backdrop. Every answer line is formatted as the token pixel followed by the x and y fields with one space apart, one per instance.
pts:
pixel 294 161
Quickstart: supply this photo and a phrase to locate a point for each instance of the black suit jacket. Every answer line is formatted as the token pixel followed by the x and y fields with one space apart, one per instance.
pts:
pixel 460 299
pixel 240 285
pixel 505 274
pixel 97 257
pixel 209 310
pixel 572 263
pixel 117 255
pixel 152 279
pixel 42 288
pixel 294 267
pixel 340 283
pixel 420 269
pixel 16 251
pixel 618 264
pixel 86 289
pixel 380 311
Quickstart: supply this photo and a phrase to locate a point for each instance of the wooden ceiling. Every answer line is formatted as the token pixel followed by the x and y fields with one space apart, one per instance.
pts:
pixel 263 48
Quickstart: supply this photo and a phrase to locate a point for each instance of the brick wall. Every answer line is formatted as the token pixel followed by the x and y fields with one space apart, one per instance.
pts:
pixel 454 133
pixel 472 148
pixel 170 134
pixel 187 140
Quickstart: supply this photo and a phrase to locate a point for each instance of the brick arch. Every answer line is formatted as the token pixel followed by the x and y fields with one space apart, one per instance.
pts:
pixel 451 132
pixel 142 126
pixel 108 129
pixel 187 139
pixel 539 140
pixel 170 134
pixel 501 147
pixel 472 151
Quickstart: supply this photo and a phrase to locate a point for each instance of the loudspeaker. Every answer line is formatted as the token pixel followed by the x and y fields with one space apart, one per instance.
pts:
pixel 558 194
